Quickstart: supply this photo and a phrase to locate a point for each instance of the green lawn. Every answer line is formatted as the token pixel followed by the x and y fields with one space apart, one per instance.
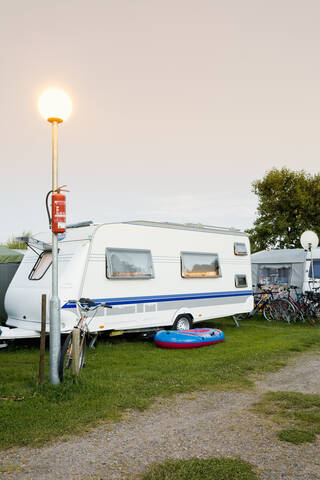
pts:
pixel 199 469
pixel 130 373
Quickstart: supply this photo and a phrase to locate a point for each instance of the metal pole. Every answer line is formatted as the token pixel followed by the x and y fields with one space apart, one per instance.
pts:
pixel 312 269
pixel 42 336
pixel 55 341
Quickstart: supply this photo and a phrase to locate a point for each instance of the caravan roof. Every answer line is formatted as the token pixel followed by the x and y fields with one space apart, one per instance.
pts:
pixel 285 255
pixel 290 255
pixel 85 230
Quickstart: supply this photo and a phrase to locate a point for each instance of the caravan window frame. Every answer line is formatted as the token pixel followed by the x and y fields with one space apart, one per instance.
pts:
pixel 38 264
pixel 316 267
pixel 237 277
pixel 240 253
pixel 183 269
pixel 109 266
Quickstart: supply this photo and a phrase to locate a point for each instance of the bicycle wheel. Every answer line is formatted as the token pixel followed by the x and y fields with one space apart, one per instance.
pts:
pixel 299 316
pixel 283 310
pixel 268 311
pixel 66 355
pixel 312 316
pixel 82 350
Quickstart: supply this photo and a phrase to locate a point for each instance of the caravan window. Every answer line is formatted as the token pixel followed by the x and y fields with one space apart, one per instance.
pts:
pixel 240 249
pixel 42 264
pixel 274 275
pixel 129 264
pixel 316 269
pixel 199 265
pixel 240 281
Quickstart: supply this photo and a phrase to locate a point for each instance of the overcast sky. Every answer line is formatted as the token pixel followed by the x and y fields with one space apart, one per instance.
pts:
pixel 177 106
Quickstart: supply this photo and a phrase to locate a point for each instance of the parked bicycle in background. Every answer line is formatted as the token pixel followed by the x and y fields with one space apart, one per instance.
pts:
pixel 281 306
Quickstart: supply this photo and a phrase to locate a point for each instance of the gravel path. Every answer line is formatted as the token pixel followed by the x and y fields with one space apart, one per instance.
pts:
pixel 202 424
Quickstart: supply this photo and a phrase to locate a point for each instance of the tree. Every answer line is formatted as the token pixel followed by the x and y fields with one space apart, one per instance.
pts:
pixel 288 204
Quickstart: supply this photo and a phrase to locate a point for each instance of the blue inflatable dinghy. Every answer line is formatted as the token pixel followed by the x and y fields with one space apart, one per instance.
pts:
pixel 197 337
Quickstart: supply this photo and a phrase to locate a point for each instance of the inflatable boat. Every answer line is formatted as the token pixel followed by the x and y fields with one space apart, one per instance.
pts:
pixel 197 337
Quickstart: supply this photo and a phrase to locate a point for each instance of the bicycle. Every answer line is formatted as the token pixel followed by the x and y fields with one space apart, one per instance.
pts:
pixel 261 304
pixel 278 309
pixel 305 307
pixel 312 306
pixel 84 305
pixel 281 310
pixel 299 311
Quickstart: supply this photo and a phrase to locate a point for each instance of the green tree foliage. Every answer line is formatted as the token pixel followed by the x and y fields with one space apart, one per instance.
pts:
pixel 288 205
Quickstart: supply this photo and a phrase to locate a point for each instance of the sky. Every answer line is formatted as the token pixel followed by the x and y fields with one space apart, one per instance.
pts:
pixel 178 106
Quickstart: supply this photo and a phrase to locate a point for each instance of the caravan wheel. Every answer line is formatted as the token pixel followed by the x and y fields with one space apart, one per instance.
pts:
pixel 182 323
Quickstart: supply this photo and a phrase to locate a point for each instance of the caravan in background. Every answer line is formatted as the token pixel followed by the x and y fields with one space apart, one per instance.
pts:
pixel 286 267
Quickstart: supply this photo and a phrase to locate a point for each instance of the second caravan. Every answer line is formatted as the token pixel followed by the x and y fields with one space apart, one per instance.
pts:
pixel 152 274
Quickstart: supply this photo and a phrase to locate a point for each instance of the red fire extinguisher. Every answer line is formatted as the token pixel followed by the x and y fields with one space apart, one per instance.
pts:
pixel 58 212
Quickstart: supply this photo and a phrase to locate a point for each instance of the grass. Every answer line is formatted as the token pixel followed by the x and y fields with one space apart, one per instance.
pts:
pixel 130 374
pixel 12 242
pixel 299 413
pixel 296 436
pixel 196 469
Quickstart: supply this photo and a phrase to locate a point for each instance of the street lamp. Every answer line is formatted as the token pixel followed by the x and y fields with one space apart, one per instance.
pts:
pixel 55 106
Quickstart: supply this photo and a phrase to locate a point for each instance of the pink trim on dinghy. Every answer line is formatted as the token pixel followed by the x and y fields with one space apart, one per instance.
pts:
pixel 186 345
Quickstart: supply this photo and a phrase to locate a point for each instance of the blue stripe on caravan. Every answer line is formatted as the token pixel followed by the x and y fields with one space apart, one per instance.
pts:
pixel 164 298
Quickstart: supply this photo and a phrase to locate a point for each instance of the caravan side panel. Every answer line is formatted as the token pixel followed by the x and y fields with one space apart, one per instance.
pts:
pixel 153 302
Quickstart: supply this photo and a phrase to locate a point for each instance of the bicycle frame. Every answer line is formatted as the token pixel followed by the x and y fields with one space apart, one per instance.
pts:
pixel 83 306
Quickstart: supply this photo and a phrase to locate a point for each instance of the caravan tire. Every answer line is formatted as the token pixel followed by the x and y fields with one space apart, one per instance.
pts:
pixel 184 322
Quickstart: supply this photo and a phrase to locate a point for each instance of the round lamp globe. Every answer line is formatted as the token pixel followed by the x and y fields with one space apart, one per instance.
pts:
pixel 55 105
pixel 309 240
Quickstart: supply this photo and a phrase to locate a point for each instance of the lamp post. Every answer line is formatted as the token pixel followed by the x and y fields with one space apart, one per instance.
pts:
pixel 55 106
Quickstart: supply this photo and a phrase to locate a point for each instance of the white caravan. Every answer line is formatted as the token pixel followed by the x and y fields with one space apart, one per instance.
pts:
pixel 152 274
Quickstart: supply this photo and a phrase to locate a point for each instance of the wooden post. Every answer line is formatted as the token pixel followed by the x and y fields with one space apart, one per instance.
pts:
pixel 75 351
pixel 42 336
